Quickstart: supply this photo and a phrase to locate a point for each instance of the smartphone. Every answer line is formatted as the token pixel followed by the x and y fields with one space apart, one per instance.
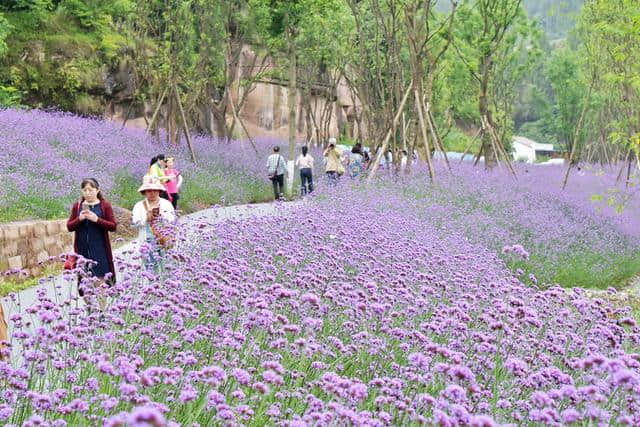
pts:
pixel 155 211
pixel 85 207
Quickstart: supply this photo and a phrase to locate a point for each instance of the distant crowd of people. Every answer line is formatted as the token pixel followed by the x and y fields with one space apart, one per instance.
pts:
pixel 336 164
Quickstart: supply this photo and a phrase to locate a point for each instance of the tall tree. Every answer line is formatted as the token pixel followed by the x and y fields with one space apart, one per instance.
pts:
pixel 484 32
pixel 610 32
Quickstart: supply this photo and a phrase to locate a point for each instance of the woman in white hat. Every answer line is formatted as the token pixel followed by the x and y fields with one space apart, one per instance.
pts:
pixel 151 216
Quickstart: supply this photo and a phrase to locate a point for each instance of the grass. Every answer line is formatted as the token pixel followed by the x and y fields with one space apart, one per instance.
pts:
pixel 11 284
pixel 35 205
pixel 577 269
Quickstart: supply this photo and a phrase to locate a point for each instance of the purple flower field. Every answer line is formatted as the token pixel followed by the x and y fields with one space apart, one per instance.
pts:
pixel 572 237
pixel 44 156
pixel 586 235
pixel 353 308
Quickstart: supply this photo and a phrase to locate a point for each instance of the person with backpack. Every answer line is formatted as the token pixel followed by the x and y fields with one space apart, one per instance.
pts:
pixel 355 161
pixel 305 165
pixel 275 170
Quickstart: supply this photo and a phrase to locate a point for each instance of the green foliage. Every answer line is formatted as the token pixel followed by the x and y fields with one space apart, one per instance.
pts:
pixel 5 29
pixel 9 96
pixel 456 140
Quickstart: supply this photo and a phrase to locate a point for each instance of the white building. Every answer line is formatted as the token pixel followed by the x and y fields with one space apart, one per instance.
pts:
pixel 526 150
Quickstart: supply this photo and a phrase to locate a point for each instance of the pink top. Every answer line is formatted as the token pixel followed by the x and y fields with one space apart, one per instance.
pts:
pixel 172 185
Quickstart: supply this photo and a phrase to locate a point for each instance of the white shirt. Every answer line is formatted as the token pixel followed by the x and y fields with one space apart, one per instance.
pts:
pixel 305 161
pixel 276 163
pixel 139 218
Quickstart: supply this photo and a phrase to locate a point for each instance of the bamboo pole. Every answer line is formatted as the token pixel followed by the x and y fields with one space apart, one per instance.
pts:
pixel 466 150
pixel 385 142
pixel 155 113
pixel 436 136
pixel 237 119
pixel 423 129
pixel 184 123
pixel 577 134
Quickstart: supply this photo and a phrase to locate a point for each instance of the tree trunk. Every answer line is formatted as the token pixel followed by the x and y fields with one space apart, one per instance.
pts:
pixel 490 155
pixel 292 116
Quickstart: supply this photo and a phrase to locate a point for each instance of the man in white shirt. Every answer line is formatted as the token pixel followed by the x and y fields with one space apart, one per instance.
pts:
pixel 304 162
pixel 276 165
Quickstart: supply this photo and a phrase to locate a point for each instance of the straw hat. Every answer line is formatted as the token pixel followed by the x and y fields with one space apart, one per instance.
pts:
pixel 150 182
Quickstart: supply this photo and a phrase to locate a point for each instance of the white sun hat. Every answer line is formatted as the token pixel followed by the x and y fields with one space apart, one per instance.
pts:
pixel 150 182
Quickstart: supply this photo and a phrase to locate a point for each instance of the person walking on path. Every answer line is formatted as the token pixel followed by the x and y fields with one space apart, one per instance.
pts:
pixel 156 169
pixel 91 220
pixel 305 164
pixel 175 181
pixel 153 218
pixel 355 161
pixel 4 336
pixel 333 168
pixel 275 170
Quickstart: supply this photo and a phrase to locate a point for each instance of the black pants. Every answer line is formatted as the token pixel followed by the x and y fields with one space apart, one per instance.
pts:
pixel 174 200
pixel 306 179
pixel 164 195
pixel 278 186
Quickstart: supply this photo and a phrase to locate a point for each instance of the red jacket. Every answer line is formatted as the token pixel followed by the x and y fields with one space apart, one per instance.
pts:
pixel 107 223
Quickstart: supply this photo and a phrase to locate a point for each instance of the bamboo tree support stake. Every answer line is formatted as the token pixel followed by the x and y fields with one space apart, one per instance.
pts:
pixel 184 123
pixel 126 116
pixel 423 129
pixel 236 118
pixel 436 136
pixel 626 159
pixel 577 133
pixel 487 131
pixel 155 113
pixel 466 150
pixel 477 159
pixel 502 150
pixel 385 142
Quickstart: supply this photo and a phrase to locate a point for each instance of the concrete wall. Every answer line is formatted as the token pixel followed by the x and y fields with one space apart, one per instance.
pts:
pixel 25 244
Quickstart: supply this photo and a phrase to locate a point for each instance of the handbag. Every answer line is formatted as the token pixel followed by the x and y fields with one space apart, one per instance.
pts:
pixel 273 175
pixel 70 262
pixel 162 232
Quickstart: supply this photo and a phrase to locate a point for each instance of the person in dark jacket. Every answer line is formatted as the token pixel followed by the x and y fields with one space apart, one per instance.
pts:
pixel 91 220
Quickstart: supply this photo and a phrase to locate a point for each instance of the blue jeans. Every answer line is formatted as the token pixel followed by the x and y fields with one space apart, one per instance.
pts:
pixel 306 179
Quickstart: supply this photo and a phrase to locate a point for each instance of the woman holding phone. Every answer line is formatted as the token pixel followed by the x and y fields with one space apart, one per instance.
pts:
pixel 149 215
pixel 91 220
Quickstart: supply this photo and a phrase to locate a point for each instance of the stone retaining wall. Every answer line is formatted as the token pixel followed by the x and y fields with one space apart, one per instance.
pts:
pixel 24 245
